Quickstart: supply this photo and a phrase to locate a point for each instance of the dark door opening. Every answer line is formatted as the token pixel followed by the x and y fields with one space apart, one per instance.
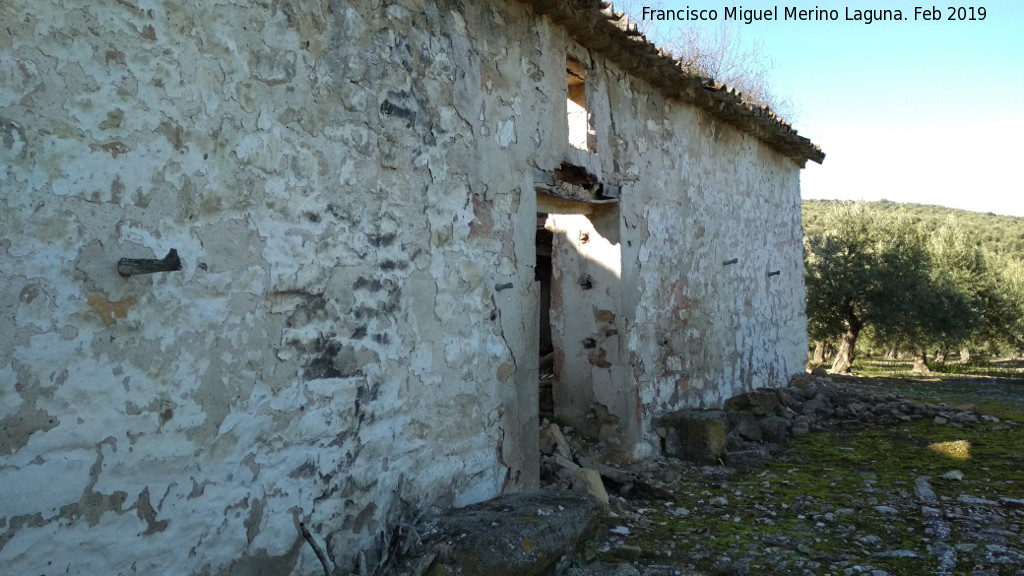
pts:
pixel 542 274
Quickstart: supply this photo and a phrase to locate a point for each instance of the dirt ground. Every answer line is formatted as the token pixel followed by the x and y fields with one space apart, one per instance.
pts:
pixel 977 391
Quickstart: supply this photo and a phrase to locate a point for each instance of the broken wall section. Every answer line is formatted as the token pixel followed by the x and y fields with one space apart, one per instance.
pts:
pixel 709 299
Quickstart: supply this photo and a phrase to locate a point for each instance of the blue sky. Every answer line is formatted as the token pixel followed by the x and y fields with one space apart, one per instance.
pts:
pixel 929 112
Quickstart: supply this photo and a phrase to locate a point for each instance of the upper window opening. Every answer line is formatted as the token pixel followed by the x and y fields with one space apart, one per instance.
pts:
pixel 581 133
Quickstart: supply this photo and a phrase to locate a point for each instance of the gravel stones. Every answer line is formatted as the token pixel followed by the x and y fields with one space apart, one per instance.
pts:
pixel 923 490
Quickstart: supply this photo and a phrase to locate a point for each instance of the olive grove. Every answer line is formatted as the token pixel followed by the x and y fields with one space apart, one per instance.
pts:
pixel 912 288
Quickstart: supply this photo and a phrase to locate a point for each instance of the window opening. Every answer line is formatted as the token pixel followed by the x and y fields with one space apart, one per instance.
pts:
pixel 581 133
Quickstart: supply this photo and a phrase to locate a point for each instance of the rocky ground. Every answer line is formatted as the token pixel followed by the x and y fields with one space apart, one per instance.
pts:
pixel 831 476
pixel 916 488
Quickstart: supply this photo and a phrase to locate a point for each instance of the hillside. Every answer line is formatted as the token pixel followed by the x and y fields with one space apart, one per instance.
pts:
pixel 992 232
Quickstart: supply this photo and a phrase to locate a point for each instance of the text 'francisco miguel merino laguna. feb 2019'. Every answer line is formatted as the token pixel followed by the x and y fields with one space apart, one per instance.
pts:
pixel 816 14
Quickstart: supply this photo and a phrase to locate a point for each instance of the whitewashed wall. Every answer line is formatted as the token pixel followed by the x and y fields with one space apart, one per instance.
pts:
pixel 696 193
pixel 349 184
pixel 703 195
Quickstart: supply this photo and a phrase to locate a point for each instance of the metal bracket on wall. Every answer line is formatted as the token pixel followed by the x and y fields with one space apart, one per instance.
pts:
pixel 134 266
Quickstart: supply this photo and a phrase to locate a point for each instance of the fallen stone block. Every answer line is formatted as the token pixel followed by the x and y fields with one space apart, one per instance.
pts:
pixel 744 425
pixel 746 459
pixel 552 441
pixel 774 429
pixel 695 435
pixel 589 481
pixel 522 534
pixel 801 426
pixel 760 402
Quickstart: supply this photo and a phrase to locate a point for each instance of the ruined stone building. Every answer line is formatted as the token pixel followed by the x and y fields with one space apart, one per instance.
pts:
pixel 370 200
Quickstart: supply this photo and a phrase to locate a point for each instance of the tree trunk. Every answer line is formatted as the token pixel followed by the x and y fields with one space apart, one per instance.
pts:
pixel 921 361
pixel 940 356
pixel 819 353
pixel 844 358
pixel 965 355
pixel 891 354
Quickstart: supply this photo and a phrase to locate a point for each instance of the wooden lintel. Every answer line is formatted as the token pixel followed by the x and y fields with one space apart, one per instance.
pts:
pixel 554 205
pixel 550 203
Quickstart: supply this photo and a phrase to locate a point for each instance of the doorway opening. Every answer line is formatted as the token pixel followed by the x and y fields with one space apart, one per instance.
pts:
pixel 579 334
pixel 542 275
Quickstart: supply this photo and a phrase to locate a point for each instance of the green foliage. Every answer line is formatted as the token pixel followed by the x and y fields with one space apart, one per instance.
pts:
pixel 991 233
pixel 838 269
pixel 907 305
pixel 914 277
pixel 1011 370
pixel 863 268
pixel 1004 304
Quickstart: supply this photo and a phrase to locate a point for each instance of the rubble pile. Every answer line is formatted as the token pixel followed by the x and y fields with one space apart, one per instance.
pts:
pixel 752 425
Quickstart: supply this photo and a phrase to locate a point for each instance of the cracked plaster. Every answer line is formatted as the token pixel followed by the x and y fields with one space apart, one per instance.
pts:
pixel 347 183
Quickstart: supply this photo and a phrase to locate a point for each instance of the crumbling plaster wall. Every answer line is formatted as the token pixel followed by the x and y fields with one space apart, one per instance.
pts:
pixel 349 184
pixel 693 331
pixel 712 241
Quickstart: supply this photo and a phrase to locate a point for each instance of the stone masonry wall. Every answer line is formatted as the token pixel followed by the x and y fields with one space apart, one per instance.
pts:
pixel 723 214
pixel 673 326
pixel 348 184
pixel 350 187
pixel 712 272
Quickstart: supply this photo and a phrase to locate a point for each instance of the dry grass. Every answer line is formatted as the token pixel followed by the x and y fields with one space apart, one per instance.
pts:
pixel 958 449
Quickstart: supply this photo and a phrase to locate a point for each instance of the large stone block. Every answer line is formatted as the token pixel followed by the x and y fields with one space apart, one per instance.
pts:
pixel 589 481
pixel 695 435
pixel 774 429
pixel 521 534
pixel 746 459
pixel 758 402
pixel 745 425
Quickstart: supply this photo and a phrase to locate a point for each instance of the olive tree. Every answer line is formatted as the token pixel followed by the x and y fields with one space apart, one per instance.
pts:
pixel 1003 305
pixel 962 287
pixel 864 269
pixel 838 265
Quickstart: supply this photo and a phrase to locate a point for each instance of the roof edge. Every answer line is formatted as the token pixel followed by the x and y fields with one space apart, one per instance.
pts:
pixel 598 27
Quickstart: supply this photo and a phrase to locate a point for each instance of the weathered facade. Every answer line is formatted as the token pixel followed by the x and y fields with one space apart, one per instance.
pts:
pixel 358 191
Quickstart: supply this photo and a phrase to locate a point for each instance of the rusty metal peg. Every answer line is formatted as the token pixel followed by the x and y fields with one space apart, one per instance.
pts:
pixel 133 266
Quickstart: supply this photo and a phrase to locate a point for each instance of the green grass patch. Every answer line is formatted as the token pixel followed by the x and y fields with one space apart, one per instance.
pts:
pixel 981 368
pixel 818 499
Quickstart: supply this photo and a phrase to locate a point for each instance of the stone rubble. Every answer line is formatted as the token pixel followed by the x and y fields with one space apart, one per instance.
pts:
pixel 909 525
pixel 756 423
pixel 753 426
pixel 519 534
